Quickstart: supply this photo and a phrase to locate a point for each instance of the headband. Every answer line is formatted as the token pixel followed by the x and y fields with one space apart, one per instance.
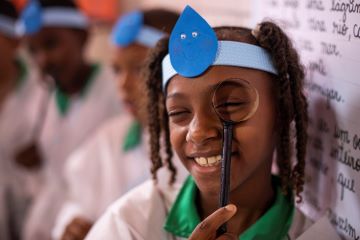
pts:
pixel 34 17
pixel 194 47
pixel 8 27
pixel 130 28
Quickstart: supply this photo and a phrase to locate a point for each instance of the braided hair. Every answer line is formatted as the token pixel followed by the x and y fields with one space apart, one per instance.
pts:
pixel 290 99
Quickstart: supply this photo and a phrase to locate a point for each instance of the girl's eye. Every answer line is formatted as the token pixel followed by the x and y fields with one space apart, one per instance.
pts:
pixel 137 69
pixel 233 109
pixel 51 44
pixel 178 116
pixel 177 113
pixel 231 104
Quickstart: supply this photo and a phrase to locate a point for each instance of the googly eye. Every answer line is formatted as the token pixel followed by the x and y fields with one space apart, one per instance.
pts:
pixel 194 34
pixel 183 36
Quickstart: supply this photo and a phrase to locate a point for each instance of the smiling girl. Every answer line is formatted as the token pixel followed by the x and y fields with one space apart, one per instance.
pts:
pixel 185 74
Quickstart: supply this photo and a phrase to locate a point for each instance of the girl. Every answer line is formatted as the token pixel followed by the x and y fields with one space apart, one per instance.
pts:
pixel 115 159
pixel 22 99
pixel 83 99
pixel 184 79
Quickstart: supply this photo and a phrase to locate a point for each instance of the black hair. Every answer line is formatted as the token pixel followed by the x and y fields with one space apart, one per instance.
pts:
pixel 8 9
pixel 58 3
pixel 161 19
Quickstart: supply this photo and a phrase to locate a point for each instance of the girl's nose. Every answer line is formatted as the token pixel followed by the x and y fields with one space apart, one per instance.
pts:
pixel 202 129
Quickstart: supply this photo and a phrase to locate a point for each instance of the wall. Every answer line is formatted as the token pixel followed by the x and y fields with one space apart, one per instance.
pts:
pixel 327 35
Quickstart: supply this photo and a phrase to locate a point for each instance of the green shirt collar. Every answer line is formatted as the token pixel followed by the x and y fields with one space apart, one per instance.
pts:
pixel 132 137
pixel 63 100
pixel 276 222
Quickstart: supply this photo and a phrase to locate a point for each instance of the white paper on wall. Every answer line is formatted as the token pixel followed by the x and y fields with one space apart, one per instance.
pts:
pixel 327 35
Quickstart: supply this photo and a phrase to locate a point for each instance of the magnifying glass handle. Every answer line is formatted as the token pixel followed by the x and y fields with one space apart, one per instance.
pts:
pixel 225 170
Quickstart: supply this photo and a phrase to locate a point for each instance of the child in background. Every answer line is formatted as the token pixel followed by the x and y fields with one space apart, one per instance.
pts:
pixel 22 99
pixel 115 159
pixel 190 82
pixel 84 97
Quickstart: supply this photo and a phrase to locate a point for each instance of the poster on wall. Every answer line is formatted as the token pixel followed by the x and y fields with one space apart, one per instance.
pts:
pixel 327 36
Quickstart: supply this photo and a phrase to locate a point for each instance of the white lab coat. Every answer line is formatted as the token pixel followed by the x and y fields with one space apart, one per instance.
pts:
pixel 19 116
pixel 99 172
pixel 4 234
pixel 141 214
pixel 62 135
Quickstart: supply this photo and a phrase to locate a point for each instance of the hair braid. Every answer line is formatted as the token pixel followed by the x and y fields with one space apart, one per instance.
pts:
pixel 168 148
pixel 290 81
pixel 155 101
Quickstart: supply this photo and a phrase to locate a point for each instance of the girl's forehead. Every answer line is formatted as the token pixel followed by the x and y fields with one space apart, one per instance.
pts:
pixel 133 52
pixel 215 75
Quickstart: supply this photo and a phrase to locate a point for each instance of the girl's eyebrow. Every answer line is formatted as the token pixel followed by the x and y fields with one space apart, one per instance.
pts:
pixel 210 88
pixel 175 95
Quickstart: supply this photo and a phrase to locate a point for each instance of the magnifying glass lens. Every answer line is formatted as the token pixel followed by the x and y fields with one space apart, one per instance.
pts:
pixel 235 100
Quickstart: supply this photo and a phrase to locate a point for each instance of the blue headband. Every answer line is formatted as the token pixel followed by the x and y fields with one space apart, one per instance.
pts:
pixel 34 17
pixel 194 47
pixel 8 27
pixel 130 28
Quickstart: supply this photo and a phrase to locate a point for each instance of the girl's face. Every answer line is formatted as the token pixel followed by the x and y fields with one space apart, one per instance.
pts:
pixel 58 52
pixel 196 131
pixel 128 63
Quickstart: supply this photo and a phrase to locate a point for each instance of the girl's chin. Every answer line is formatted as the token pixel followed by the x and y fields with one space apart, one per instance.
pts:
pixel 207 183
pixel 209 188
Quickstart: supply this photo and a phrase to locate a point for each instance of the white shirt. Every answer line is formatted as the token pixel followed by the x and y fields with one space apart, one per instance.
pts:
pixel 100 171
pixel 61 135
pixel 141 214
pixel 19 116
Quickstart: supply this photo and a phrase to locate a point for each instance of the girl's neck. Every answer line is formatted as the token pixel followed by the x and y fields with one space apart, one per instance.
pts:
pixel 252 199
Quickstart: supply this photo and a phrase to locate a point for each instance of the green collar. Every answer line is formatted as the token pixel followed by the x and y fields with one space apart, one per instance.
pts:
pixel 63 100
pixel 133 137
pixel 276 222
pixel 23 72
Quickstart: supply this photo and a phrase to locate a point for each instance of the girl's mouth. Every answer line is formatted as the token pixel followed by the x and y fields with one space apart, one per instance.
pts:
pixel 208 161
pixel 211 161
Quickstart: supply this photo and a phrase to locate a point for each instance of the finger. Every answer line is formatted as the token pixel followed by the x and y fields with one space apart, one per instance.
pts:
pixel 207 228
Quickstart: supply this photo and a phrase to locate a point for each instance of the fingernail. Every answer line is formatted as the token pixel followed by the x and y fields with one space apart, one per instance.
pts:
pixel 230 207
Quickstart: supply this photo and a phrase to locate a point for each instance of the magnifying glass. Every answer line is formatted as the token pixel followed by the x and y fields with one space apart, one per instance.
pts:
pixel 234 101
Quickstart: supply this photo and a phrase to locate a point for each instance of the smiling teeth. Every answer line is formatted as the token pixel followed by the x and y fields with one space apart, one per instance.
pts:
pixel 209 161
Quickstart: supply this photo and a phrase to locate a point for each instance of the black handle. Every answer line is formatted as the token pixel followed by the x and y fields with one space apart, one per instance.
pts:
pixel 225 170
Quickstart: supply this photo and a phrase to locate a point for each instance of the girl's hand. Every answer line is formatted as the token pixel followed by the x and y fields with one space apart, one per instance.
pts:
pixel 29 157
pixel 77 229
pixel 206 230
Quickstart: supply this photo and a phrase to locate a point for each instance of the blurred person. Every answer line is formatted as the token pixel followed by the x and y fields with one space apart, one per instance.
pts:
pixel 22 102
pixel 84 97
pixel 116 158
pixel 214 93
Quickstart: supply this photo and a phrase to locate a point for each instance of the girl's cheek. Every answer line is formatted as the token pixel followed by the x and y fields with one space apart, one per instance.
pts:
pixel 177 139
